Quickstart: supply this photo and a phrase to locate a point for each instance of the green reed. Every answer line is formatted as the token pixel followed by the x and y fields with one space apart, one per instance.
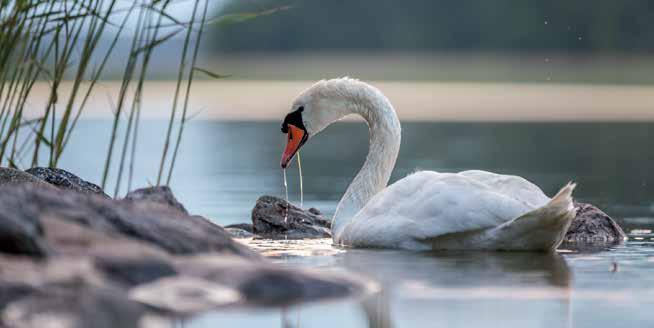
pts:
pixel 56 42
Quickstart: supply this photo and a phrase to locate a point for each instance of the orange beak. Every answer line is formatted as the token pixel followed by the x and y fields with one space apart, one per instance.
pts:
pixel 296 138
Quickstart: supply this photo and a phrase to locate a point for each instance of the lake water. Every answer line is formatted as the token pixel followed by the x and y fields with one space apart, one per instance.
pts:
pixel 224 166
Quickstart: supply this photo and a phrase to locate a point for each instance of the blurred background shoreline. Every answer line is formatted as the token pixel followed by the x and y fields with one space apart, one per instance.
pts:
pixel 270 100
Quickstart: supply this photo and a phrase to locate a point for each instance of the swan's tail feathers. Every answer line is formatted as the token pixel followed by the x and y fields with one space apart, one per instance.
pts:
pixel 563 199
pixel 544 228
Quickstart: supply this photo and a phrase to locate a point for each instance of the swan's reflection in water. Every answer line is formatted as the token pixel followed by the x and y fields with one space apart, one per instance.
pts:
pixel 429 288
pixel 464 289
pixel 439 287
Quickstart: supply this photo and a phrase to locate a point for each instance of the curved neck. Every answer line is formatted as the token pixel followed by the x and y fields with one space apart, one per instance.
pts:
pixel 385 138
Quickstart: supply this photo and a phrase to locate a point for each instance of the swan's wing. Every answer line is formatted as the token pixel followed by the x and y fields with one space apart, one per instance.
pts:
pixel 512 186
pixel 429 204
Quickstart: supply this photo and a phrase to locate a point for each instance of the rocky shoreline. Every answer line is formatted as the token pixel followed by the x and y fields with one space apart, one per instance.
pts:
pixel 71 255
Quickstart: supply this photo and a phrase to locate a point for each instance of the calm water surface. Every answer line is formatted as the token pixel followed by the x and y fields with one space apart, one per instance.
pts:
pixel 225 166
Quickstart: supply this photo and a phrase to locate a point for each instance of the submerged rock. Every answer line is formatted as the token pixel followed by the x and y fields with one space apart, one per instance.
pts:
pixel 591 225
pixel 158 194
pixel 240 230
pixel 65 180
pixel 275 218
pixel 239 233
pixel 241 226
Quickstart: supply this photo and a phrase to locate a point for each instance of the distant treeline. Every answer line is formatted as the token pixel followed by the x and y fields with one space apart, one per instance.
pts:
pixel 443 25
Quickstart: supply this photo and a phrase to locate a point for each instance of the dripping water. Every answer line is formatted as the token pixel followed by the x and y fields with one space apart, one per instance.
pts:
pixel 299 168
pixel 286 193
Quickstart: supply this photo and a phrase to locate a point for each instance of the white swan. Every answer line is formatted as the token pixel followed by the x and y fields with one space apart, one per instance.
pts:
pixel 426 210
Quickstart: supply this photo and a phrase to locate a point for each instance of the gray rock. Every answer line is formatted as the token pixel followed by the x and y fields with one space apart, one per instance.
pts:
pixel 21 235
pixel 13 176
pixel 315 211
pixel 149 222
pixel 115 263
pixel 267 285
pixel 75 306
pixel 12 291
pixel 134 271
pixel 65 180
pixel 275 218
pixel 70 286
pixel 158 194
pixel 591 225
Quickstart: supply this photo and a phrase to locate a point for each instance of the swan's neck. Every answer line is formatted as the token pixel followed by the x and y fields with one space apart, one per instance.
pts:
pixel 385 137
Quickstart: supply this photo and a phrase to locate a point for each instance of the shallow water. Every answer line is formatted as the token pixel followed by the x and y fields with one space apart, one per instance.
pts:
pixel 224 167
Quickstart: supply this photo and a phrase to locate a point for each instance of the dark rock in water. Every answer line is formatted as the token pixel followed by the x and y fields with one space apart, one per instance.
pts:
pixel 13 176
pixel 315 211
pixel 149 222
pixel 65 180
pixel 275 218
pixel 593 225
pixel 158 194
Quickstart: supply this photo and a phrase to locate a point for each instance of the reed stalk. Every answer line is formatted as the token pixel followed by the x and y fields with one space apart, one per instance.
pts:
pixel 57 42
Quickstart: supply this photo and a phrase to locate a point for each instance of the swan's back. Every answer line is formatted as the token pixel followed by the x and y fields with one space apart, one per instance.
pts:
pixel 428 204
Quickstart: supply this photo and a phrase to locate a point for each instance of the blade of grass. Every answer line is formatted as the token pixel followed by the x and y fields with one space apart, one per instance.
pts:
pixel 178 85
pixel 187 95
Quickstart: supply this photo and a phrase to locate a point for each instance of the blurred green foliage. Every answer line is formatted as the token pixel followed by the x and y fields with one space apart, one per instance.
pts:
pixel 444 25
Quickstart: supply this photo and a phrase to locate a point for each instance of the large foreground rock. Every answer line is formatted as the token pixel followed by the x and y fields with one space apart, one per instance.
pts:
pixel 591 225
pixel 276 218
pixel 157 224
pixel 71 289
pixel 120 263
pixel 21 235
pixel 66 180
pixel 118 278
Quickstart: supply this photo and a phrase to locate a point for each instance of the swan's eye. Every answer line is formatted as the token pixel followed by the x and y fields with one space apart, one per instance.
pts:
pixel 293 118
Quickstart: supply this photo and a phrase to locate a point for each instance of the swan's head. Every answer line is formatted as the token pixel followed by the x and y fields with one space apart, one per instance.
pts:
pixel 314 109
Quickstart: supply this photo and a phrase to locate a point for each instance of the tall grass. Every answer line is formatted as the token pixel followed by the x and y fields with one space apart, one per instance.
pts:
pixel 57 41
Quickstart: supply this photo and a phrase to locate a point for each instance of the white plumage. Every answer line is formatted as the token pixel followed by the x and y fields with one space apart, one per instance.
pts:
pixel 428 210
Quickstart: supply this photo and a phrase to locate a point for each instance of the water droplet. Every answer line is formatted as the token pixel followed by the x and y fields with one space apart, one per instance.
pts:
pixel 299 168
pixel 286 194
